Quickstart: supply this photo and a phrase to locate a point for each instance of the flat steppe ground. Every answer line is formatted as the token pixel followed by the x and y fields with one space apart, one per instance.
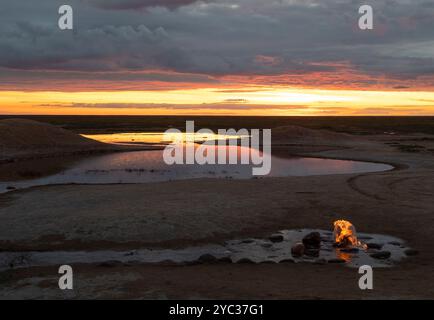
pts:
pixel 183 213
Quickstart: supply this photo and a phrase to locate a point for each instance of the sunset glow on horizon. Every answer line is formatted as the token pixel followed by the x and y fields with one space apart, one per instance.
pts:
pixel 210 101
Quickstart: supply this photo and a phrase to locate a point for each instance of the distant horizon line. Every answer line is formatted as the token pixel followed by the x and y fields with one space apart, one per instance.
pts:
pixel 219 116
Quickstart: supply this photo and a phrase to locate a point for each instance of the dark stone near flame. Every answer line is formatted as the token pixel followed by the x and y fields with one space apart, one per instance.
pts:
pixel 312 240
pixel 312 252
pixel 298 249
pixel 276 238
pixel 381 255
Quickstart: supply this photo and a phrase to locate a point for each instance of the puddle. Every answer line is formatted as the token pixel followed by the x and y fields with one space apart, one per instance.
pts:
pixel 134 138
pixel 234 251
pixel 148 166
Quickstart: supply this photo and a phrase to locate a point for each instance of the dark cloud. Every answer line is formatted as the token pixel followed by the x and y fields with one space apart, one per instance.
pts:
pixel 295 38
pixel 106 48
pixel 53 80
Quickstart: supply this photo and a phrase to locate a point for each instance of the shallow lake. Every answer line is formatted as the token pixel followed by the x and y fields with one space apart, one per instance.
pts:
pixel 148 166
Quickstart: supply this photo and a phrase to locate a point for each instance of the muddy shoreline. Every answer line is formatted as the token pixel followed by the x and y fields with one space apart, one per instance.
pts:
pixel 208 211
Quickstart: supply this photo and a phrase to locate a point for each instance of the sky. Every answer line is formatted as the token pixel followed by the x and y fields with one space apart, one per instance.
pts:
pixel 217 57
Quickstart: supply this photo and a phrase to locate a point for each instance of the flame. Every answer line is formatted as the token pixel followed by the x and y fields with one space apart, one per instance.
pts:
pixel 345 234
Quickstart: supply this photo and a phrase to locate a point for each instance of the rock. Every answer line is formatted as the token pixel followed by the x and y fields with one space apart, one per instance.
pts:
pixel 245 260
pixel 411 252
pixel 207 258
pixel 266 245
pixel 312 240
pixel 276 238
pixel 336 260
pixel 381 255
pixel 248 241
pixel 374 246
pixel 297 249
pixel 311 252
pixel 10 188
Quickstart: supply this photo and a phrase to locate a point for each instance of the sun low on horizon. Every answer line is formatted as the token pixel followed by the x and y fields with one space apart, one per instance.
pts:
pixel 208 101
pixel 242 57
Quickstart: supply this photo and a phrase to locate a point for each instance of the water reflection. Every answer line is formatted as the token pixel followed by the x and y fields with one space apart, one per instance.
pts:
pixel 345 256
pixel 148 166
pixel 157 137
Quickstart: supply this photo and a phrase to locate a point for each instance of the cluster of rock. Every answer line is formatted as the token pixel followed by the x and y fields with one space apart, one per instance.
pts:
pixel 313 247
pixel 309 246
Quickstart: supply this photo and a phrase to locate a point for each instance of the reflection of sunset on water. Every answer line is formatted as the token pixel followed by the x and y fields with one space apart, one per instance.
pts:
pixel 157 137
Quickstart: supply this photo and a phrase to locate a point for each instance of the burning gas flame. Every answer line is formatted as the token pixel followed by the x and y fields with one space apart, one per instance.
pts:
pixel 345 234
